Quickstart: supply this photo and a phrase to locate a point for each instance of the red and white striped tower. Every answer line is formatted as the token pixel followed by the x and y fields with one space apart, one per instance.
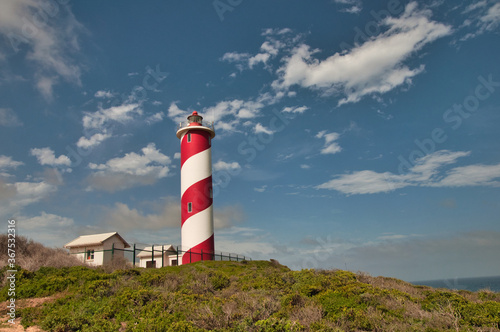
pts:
pixel 197 230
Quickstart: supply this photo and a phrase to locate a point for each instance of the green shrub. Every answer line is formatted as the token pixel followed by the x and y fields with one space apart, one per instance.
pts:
pixel 277 325
pixel 219 280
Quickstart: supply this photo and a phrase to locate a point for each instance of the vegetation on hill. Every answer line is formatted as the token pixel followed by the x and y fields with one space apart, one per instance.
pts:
pixel 32 255
pixel 244 296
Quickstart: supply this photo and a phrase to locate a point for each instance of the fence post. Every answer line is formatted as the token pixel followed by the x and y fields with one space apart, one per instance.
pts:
pixel 202 255
pixel 229 256
pixel 162 254
pixel 112 251
pixel 177 251
pixel 133 258
pixel 152 254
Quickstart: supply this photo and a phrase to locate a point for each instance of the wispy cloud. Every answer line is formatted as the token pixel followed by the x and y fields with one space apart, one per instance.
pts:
pixel 480 19
pixel 268 50
pixel 20 194
pixel 7 162
pixel 52 47
pixel 8 118
pixel 121 114
pixel 427 172
pixel 350 6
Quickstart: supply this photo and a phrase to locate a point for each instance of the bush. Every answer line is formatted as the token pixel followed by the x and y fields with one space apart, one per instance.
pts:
pixel 255 296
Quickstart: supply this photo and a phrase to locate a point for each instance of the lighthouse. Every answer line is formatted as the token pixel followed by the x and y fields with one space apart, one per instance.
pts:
pixel 197 221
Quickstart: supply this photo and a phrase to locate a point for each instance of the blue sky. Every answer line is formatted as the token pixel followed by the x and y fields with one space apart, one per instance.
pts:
pixel 350 134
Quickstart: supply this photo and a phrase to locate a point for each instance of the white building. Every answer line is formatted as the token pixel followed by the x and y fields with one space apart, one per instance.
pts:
pixel 97 249
pixel 149 259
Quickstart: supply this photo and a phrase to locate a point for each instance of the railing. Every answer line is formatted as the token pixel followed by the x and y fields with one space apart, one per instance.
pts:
pixel 203 124
pixel 154 255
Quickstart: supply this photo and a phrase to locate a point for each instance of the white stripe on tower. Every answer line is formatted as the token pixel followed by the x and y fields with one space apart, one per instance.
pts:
pixel 196 168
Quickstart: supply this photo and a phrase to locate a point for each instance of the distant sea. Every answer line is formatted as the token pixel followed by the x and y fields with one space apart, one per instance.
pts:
pixel 470 284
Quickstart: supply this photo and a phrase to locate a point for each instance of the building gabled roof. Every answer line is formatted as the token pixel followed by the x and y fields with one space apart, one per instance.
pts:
pixel 146 252
pixel 93 240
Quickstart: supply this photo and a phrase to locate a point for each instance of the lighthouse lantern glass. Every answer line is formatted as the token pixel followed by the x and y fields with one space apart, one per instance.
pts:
pixel 195 118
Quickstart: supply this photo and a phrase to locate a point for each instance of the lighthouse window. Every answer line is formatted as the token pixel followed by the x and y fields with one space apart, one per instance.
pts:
pixel 189 137
pixel 190 207
pixel 211 193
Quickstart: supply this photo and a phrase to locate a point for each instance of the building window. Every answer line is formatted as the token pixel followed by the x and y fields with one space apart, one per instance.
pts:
pixel 189 138
pixel 150 264
pixel 190 207
pixel 90 254
pixel 174 262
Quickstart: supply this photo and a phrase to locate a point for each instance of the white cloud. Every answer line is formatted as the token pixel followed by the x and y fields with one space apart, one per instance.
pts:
pixel 21 194
pixel 103 94
pixel 305 166
pixel 52 47
pixel 121 216
pixel 480 19
pixel 374 67
pixel 164 213
pixel 229 114
pixel 8 118
pixel 48 228
pixel 492 18
pixel 260 189
pixel 473 175
pixel 259 128
pixel 93 141
pixel 177 155
pixel 295 109
pixel 224 166
pixel 46 156
pixel 130 170
pixel 351 6
pixel 268 50
pixel 474 6
pixel 154 118
pixel 176 114
pixel 46 220
pixel 121 114
pixel 330 146
pixel 7 162
pixel 427 172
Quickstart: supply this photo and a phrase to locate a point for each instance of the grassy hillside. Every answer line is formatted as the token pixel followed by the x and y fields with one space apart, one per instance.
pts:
pixel 245 296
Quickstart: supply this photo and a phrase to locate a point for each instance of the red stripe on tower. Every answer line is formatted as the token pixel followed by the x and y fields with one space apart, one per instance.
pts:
pixel 197 224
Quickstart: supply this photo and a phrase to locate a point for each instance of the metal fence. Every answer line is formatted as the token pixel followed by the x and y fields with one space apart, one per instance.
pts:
pixel 143 255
